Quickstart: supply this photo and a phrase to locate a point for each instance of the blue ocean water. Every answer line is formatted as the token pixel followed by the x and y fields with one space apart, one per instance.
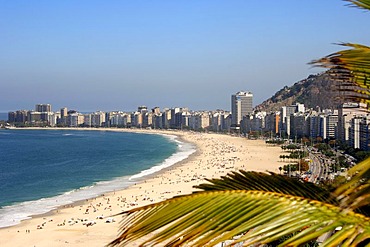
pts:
pixel 43 169
pixel 3 116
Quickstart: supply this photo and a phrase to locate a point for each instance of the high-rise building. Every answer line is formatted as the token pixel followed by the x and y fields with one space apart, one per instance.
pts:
pixel 173 122
pixel 314 123
pixel 199 120
pixel 365 133
pixel 12 116
pixel 272 122
pixel 285 113
pixel 156 110
pixel 332 125
pixel 75 119
pixel 34 116
pixel 354 136
pixel 241 105
pixel 142 109
pixel 97 119
pixel 63 112
pixel 166 118
pixel 346 113
pixel 19 116
pixel 43 108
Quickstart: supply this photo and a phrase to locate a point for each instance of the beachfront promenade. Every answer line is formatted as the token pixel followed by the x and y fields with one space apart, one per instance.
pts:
pixel 86 223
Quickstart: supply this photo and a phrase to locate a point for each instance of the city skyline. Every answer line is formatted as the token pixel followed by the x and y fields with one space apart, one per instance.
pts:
pixel 348 123
pixel 92 55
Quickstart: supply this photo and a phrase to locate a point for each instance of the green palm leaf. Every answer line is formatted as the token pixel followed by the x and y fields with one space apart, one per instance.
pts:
pixel 351 69
pixel 356 192
pixel 354 195
pixel 207 218
pixel 269 182
pixel 365 4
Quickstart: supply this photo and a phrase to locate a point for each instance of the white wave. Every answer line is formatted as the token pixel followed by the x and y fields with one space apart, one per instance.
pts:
pixel 184 151
pixel 14 214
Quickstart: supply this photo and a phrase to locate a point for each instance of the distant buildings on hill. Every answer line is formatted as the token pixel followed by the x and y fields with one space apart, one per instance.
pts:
pixel 350 123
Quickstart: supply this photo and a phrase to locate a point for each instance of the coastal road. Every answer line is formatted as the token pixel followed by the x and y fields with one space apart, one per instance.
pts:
pixel 316 167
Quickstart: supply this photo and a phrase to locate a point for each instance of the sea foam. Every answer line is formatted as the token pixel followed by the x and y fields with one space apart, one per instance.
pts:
pixel 184 151
pixel 14 214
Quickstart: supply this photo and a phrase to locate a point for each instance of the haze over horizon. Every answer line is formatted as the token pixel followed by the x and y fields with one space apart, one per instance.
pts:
pixel 117 55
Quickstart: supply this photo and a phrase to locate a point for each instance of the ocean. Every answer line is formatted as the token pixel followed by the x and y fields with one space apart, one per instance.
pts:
pixel 41 170
pixel 3 116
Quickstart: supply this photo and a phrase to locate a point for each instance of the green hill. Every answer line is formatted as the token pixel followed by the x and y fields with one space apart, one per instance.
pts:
pixel 314 91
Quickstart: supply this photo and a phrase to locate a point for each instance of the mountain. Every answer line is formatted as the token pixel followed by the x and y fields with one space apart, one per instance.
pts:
pixel 314 91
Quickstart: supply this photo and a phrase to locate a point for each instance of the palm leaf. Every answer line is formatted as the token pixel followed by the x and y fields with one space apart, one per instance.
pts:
pixel 365 4
pixel 208 218
pixel 356 192
pixel 269 182
pixel 351 69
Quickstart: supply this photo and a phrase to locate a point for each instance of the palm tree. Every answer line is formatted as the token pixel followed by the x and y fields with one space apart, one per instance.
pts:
pixel 258 208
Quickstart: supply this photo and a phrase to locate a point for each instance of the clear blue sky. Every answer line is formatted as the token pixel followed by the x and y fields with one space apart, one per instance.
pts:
pixel 116 55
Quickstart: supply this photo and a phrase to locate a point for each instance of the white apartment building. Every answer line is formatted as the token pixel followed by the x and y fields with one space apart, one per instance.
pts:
pixel 75 119
pixel 199 120
pixel 241 105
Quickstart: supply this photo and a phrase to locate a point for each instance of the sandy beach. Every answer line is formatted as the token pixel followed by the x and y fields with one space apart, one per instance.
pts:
pixel 85 223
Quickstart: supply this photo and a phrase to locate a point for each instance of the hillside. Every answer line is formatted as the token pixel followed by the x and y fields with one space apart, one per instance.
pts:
pixel 315 90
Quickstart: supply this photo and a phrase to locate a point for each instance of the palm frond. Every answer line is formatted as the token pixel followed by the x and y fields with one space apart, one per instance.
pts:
pixel 350 68
pixel 356 192
pixel 269 182
pixel 208 218
pixel 364 4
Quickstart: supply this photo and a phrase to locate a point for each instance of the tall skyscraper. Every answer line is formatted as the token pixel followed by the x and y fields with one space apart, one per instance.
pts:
pixel 43 108
pixel 241 105
pixel 64 112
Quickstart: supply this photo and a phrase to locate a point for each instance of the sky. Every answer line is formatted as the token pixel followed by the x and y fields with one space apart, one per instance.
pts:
pixel 91 55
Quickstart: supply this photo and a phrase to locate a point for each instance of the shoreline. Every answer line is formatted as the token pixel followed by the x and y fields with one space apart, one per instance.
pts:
pixel 98 188
pixel 215 156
